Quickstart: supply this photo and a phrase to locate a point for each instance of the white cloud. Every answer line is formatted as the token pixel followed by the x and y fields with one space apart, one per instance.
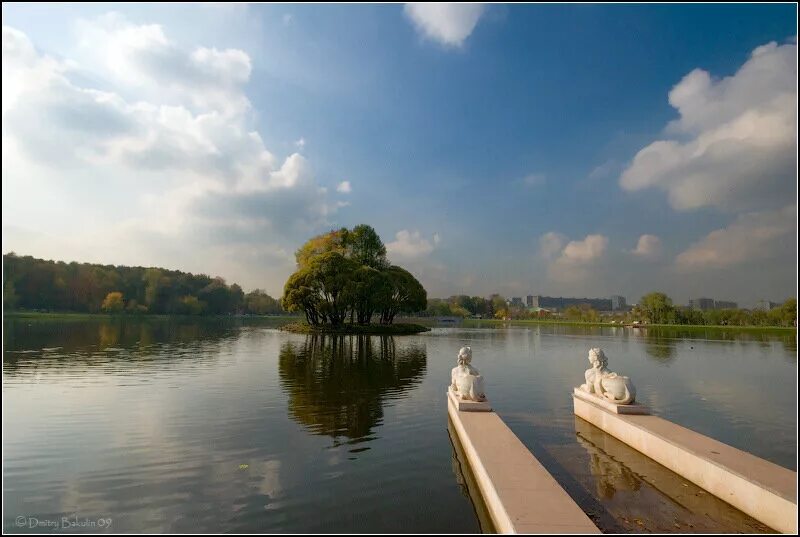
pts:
pixel 534 179
pixel 734 145
pixel 648 247
pixel 144 59
pixel 171 133
pixel 585 251
pixel 571 261
pixel 551 244
pixel 756 237
pixel 344 187
pixel 449 24
pixel 410 245
pixel 604 170
pixel 301 143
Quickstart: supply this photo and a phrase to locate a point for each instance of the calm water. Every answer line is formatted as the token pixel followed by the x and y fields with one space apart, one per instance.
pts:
pixel 218 426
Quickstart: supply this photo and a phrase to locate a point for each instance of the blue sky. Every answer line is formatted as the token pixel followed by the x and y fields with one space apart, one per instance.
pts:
pixel 519 149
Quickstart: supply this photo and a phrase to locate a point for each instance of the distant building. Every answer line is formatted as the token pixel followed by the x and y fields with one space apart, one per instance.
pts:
pixel 618 303
pixel 529 301
pixel 702 304
pixel 766 305
pixel 517 301
pixel 725 305
pixel 560 303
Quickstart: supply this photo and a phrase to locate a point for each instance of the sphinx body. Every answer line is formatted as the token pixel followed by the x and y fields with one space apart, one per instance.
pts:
pixel 602 382
pixel 466 381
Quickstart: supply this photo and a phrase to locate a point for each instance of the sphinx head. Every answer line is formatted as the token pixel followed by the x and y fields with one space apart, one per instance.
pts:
pixel 465 356
pixel 597 358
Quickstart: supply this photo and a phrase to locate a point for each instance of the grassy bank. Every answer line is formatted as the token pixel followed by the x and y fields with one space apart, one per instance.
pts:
pixel 55 316
pixel 399 329
pixel 689 327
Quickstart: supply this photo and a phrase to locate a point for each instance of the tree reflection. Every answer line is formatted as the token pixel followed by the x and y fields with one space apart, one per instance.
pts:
pixel 338 385
pixel 659 346
pixel 85 342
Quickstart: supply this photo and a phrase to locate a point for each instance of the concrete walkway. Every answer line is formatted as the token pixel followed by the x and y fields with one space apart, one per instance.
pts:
pixel 520 495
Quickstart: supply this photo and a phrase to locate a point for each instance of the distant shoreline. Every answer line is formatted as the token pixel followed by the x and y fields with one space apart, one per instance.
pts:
pixel 347 329
pixel 696 327
pixel 418 321
pixel 74 316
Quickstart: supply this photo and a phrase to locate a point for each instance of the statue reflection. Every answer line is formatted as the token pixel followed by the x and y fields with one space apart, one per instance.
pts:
pixel 610 475
pixel 338 385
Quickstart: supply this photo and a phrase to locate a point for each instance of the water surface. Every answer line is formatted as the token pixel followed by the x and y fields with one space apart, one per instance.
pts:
pixel 227 426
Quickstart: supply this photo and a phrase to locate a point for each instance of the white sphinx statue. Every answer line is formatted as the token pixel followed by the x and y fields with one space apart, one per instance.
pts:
pixel 604 383
pixel 465 381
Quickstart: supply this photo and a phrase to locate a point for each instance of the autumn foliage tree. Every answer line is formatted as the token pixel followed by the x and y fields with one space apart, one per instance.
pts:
pixel 38 284
pixel 113 302
pixel 344 275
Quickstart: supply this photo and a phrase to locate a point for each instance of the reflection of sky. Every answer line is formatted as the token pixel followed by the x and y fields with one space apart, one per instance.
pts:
pixel 207 443
pixel 740 392
pixel 154 436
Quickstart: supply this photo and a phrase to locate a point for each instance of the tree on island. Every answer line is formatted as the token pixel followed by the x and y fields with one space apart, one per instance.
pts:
pixel 344 275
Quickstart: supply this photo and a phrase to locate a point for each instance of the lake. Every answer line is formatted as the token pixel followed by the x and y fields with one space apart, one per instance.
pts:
pixel 233 426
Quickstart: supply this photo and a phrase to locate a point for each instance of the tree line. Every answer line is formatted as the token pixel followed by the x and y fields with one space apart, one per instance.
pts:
pixel 658 308
pixel 344 276
pixel 42 285
pixel 653 308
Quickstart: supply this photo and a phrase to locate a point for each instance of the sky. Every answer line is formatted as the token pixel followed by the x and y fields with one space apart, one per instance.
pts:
pixel 563 150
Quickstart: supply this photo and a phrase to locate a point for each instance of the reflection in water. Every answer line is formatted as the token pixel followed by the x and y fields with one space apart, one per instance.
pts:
pixel 181 425
pixel 611 475
pixel 619 471
pixel 32 346
pixel 338 385
pixel 657 345
pixel 83 344
pixel 467 483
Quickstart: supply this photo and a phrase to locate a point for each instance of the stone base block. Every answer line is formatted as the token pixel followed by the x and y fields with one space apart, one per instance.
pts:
pixel 759 488
pixel 468 406
pixel 633 408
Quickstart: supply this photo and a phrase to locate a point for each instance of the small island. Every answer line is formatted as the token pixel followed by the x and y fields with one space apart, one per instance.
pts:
pixel 347 329
pixel 344 284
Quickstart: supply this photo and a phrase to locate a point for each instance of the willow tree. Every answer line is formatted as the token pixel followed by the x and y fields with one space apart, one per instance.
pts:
pixel 345 274
pixel 405 294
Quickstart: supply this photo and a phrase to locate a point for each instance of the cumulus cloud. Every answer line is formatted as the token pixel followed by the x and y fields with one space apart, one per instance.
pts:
pixel 585 251
pixel 757 237
pixel 411 245
pixel 733 146
pixel 170 133
pixel 551 244
pixel 648 247
pixel 449 24
pixel 344 187
pixel 534 179
pixel 142 57
pixel 571 261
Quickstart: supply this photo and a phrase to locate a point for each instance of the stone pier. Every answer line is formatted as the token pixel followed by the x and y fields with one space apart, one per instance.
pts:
pixel 759 488
pixel 519 493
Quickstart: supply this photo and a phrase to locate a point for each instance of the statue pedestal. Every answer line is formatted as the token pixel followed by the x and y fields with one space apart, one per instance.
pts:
pixel 633 408
pixel 468 406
